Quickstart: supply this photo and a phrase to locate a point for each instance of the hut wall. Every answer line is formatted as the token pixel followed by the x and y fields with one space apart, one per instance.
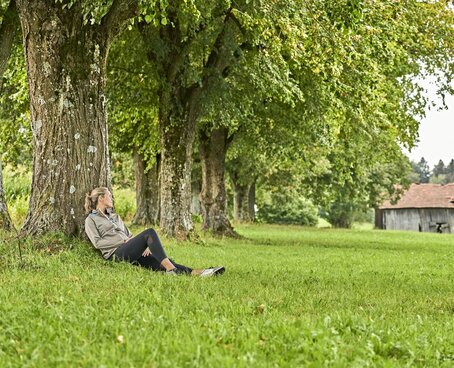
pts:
pixel 419 219
pixel 432 217
pixel 401 219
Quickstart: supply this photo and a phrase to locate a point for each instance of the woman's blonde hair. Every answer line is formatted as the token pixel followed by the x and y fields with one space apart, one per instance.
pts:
pixel 91 199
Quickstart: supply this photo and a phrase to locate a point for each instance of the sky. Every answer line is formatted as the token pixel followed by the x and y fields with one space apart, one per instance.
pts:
pixel 436 133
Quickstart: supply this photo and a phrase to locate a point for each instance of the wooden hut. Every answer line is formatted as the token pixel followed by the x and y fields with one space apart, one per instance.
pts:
pixel 423 207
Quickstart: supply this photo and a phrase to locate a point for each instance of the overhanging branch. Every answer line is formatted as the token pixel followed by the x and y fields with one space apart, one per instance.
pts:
pixel 119 13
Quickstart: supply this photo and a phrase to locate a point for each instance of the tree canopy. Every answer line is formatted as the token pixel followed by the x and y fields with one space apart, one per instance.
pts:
pixel 312 95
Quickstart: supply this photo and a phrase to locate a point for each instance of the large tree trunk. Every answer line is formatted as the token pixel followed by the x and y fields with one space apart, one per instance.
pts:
pixel 213 148
pixel 8 30
pixel 251 200
pixel 177 128
pixel 147 191
pixel 66 67
pixel 240 203
pixel 179 108
pixel 243 197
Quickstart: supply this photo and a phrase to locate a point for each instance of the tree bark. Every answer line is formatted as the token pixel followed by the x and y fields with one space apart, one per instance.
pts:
pixel 213 198
pixel 5 220
pixel 8 30
pixel 251 200
pixel 177 122
pixel 240 203
pixel 147 191
pixel 195 192
pixel 243 197
pixel 66 68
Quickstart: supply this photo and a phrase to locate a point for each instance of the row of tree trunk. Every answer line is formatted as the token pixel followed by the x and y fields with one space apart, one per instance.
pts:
pixel 66 70
pixel 211 198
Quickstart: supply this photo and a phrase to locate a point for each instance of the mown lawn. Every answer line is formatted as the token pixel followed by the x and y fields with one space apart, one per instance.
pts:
pixel 291 297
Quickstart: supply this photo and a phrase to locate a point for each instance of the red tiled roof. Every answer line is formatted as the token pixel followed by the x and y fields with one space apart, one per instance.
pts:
pixel 425 196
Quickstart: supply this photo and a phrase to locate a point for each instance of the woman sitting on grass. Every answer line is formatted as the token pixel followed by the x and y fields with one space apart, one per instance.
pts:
pixel 108 233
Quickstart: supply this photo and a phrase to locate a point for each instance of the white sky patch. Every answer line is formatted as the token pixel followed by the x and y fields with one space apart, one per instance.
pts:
pixel 436 131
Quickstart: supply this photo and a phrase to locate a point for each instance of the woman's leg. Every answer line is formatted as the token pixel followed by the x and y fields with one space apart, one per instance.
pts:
pixel 153 264
pixel 184 269
pixel 133 249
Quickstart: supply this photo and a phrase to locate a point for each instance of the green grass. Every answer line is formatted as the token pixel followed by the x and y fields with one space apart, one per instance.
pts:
pixel 291 297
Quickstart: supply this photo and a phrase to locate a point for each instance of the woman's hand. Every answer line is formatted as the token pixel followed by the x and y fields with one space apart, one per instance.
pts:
pixel 146 252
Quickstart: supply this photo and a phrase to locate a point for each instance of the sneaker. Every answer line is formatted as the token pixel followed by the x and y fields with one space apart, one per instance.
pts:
pixel 174 272
pixel 212 271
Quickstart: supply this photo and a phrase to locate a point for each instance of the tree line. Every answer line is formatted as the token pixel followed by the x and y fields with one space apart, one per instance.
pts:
pixel 296 97
pixel 439 174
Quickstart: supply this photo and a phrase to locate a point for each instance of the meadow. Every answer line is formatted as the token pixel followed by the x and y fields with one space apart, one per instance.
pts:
pixel 290 297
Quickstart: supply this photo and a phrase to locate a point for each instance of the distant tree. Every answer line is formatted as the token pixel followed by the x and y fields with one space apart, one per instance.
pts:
pixel 413 176
pixel 450 172
pixel 439 169
pixel 365 185
pixel 450 167
pixel 442 174
pixel 286 207
pixel 422 170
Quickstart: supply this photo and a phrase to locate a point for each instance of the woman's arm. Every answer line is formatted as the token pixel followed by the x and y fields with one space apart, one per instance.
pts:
pixel 124 227
pixel 93 234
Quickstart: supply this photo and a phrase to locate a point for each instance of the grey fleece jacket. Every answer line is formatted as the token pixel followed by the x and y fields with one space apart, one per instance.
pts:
pixel 106 232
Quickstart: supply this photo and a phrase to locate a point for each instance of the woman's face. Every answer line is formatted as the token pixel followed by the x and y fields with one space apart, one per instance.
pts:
pixel 105 201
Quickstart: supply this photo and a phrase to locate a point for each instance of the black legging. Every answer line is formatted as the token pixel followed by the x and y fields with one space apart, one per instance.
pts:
pixel 133 249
